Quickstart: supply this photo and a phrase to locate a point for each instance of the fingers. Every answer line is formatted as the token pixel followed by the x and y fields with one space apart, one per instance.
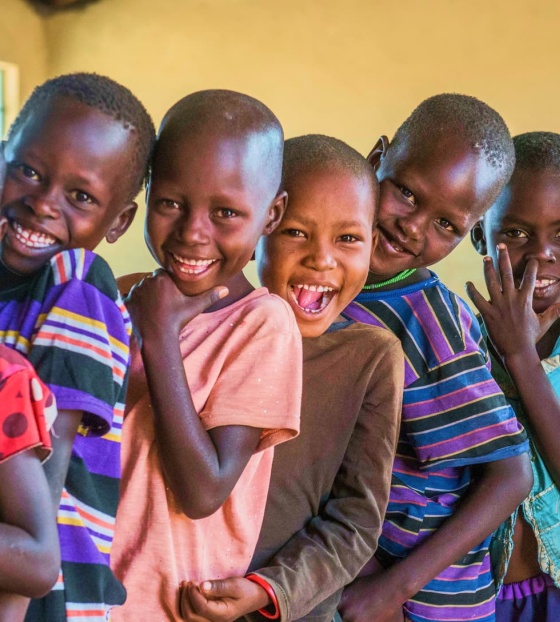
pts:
pixel 208 299
pixel 219 588
pixel 187 609
pixel 504 266
pixel 491 279
pixel 476 297
pixel 3 226
pixel 529 278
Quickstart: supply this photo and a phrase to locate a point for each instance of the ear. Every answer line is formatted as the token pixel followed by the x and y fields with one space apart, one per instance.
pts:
pixel 121 223
pixel 275 212
pixel 378 152
pixel 478 240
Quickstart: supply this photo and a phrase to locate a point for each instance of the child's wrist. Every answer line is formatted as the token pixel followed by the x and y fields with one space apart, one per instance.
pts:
pixel 268 604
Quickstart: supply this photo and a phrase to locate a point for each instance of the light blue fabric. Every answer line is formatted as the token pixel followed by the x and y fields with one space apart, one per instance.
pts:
pixel 541 508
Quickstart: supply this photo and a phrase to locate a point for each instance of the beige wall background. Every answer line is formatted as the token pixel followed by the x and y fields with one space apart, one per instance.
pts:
pixel 349 68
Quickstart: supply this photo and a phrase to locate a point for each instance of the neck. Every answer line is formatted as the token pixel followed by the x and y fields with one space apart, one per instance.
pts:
pixel 401 279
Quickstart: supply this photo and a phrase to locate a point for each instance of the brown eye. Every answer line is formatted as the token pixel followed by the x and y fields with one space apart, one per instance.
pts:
pixel 515 233
pixel 407 194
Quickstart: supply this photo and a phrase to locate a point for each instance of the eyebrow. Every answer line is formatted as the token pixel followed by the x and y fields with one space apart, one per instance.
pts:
pixel 309 222
pixel 509 220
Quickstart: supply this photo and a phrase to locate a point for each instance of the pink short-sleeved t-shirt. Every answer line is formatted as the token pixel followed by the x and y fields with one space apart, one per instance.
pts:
pixel 243 366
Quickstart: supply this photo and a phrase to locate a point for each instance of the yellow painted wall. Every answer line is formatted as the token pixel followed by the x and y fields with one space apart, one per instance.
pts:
pixel 349 68
pixel 23 42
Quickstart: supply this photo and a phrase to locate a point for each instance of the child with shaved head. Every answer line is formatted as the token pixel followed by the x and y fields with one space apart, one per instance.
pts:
pixel 461 466
pixel 329 487
pixel 216 369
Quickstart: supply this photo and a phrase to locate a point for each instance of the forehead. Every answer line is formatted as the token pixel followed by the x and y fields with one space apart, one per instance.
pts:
pixel 447 169
pixel 333 194
pixel 69 127
pixel 212 158
pixel 531 196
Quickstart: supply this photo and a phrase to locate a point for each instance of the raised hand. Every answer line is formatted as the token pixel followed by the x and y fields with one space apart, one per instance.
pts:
pixel 155 304
pixel 512 324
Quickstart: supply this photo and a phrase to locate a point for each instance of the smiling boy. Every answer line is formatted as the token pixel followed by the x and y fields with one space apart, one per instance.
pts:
pixel 460 446
pixel 216 377
pixel 76 156
pixel 329 486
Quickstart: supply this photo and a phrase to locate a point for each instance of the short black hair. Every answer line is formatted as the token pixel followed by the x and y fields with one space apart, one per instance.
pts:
pixel 110 98
pixel 470 120
pixel 537 151
pixel 315 151
pixel 232 114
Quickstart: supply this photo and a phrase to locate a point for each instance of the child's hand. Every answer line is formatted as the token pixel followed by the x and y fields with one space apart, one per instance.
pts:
pixel 221 601
pixel 512 324
pixel 155 304
pixel 368 599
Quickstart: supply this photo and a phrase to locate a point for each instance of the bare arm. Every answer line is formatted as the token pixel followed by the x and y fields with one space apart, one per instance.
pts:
pixel 380 597
pixel 29 551
pixel 515 329
pixel 202 467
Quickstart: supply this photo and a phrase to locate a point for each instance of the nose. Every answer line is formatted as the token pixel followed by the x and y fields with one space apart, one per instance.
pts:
pixel 411 226
pixel 44 202
pixel 542 250
pixel 194 227
pixel 321 257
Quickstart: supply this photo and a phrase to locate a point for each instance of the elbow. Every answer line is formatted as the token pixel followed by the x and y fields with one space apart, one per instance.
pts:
pixel 44 573
pixel 197 509
pixel 524 477
pixel 200 505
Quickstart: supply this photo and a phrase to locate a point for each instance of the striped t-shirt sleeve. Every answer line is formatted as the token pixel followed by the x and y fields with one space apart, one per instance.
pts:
pixel 456 414
pixel 80 343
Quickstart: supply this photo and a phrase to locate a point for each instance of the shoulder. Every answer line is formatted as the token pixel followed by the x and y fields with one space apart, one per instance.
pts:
pixel 267 311
pixel 80 265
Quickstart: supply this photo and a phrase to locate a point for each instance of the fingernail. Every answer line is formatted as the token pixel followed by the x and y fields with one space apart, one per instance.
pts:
pixel 487 259
pixel 223 292
pixel 501 246
pixel 206 586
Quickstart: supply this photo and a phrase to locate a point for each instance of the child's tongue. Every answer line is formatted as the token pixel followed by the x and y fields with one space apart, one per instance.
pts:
pixel 308 299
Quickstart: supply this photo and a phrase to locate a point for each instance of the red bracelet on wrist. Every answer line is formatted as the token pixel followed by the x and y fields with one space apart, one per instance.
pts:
pixel 255 578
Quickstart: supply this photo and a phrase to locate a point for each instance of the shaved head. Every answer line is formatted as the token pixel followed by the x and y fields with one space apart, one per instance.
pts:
pixel 228 115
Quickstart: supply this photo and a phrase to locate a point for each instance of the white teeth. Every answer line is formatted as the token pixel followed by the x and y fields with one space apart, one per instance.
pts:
pixel 33 239
pixel 314 288
pixel 544 282
pixel 192 266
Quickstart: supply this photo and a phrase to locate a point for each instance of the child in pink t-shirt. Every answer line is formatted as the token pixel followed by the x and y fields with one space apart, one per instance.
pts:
pixel 216 371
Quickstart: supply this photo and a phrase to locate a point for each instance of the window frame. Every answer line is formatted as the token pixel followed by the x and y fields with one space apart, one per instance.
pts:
pixel 9 96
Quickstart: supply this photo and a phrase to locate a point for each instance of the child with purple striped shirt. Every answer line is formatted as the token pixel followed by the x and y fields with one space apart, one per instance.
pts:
pixel 76 157
pixel 461 466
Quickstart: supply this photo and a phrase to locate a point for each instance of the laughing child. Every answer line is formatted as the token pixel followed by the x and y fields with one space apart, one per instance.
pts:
pixel 76 157
pixel 461 466
pixel 216 377
pixel 329 487
pixel 29 549
pixel 521 234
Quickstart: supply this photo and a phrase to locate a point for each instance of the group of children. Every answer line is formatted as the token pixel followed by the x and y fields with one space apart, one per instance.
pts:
pixel 345 442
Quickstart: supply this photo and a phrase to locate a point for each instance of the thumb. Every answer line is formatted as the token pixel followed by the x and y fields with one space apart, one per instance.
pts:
pixel 218 588
pixel 548 317
pixel 209 298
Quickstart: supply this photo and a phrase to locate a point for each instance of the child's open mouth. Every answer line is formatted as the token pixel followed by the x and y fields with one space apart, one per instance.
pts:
pixel 312 298
pixel 543 286
pixel 31 238
pixel 192 266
